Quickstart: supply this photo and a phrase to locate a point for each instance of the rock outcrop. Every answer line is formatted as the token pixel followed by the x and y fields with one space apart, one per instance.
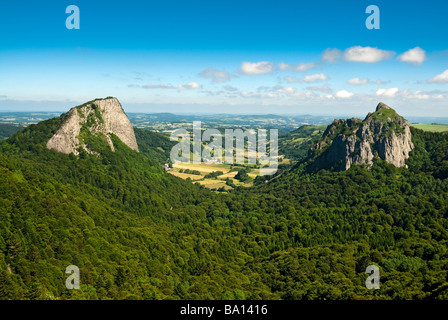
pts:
pixel 383 134
pixel 98 117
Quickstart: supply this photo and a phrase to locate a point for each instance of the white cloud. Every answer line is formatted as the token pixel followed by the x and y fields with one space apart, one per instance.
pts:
pixel 288 90
pixel 315 77
pixel 357 81
pixel 305 66
pixel 293 79
pixel 284 66
pixel 230 88
pixel 381 81
pixel 325 89
pixel 366 54
pixel 292 93
pixel 309 78
pixel 344 94
pixel 254 68
pixel 440 78
pixel 158 86
pixel 300 67
pixel 189 86
pixel 423 95
pixel 391 92
pixel 331 55
pixel 216 76
pixel 271 95
pixel 246 94
pixel 413 56
pixel 420 95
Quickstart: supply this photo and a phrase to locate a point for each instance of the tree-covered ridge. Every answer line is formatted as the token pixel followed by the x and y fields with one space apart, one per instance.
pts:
pixel 8 129
pixel 137 232
pixel 397 213
pixel 430 153
pixel 157 146
pixel 123 202
pixel 296 144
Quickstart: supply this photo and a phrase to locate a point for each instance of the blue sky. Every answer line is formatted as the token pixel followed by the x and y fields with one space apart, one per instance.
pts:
pixel 226 56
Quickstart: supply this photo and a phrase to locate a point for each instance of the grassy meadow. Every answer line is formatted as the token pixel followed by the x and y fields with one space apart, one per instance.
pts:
pixel 431 127
pixel 229 173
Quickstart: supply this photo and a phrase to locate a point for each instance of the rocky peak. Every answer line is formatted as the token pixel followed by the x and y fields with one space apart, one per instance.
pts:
pixel 383 134
pixel 382 105
pixel 100 117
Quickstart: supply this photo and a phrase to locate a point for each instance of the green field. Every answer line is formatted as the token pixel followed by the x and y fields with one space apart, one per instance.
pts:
pixel 431 127
pixel 229 171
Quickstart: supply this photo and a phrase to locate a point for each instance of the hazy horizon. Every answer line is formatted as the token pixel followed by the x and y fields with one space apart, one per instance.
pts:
pixel 410 118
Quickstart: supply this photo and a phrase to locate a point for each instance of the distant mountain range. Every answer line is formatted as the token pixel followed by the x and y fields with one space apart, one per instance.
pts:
pixel 284 123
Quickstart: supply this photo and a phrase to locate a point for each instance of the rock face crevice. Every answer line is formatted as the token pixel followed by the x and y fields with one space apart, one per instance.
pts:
pixel 383 134
pixel 99 117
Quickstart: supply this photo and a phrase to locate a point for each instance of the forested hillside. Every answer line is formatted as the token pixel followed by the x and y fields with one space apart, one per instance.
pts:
pixel 7 130
pixel 137 232
pixel 296 144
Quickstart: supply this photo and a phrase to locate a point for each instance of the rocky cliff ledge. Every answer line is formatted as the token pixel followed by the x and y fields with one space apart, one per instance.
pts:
pixel 383 134
pixel 98 117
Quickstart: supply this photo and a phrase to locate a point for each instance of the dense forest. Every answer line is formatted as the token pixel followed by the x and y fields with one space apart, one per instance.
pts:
pixel 8 129
pixel 296 144
pixel 137 232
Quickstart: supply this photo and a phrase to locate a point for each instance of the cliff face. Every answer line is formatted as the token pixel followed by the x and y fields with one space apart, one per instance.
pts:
pixel 383 134
pixel 98 117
